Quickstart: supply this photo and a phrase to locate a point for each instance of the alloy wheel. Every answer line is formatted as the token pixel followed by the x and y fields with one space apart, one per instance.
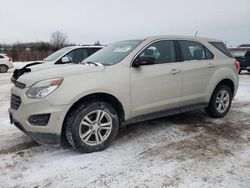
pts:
pixel 222 101
pixel 95 127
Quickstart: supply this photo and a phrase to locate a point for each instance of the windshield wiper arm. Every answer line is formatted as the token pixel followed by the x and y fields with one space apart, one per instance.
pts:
pixel 90 62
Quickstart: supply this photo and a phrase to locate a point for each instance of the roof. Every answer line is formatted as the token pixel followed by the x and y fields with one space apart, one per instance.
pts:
pixel 181 37
pixel 85 46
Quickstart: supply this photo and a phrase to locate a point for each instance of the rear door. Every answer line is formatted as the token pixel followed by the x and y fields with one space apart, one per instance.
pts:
pixel 198 67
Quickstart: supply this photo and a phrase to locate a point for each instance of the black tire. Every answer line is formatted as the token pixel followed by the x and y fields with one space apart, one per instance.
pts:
pixel 240 71
pixel 211 109
pixel 75 118
pixel 3 68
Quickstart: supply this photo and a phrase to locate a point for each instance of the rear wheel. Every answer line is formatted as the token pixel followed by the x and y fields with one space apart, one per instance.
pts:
pixel 3 68
pixel 92 126
pixel 220 102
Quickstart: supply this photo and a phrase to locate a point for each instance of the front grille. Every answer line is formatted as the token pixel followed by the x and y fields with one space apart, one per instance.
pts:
pixel 15 102
pixel 20 85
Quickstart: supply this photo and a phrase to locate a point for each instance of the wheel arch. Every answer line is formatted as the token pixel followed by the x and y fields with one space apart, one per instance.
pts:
pixel 112 100
pixel 227 82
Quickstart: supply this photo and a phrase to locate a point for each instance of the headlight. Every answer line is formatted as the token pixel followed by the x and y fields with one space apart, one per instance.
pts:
pixel 43 88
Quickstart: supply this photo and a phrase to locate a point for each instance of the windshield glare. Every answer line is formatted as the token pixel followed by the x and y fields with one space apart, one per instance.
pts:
pixel 113 53
pixel 57 54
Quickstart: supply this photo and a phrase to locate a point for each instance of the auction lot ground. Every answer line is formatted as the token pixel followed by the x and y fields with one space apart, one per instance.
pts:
pixel 186 150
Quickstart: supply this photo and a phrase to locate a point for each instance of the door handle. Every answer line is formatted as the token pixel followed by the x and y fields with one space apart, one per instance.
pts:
pixel 175 71
pixel 210 65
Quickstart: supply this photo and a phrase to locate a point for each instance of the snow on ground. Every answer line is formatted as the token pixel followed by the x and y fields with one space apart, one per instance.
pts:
pixel 186 150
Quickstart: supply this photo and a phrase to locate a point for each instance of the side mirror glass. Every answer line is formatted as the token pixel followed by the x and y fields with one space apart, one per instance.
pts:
pixel 143 60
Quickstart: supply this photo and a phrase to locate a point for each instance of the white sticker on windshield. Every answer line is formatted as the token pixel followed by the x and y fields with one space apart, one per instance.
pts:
pixel 123 49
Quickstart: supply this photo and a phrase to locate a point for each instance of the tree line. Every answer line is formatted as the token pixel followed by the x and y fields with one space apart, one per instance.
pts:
pixel 36 50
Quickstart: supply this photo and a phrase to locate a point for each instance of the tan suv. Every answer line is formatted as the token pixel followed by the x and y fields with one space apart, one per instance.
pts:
pixel 128 81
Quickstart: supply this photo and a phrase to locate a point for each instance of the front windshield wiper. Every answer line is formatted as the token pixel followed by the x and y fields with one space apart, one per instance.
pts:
pixel 91 63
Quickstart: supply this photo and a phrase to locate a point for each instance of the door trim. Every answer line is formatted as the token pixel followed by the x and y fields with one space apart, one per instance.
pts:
pixel 165 113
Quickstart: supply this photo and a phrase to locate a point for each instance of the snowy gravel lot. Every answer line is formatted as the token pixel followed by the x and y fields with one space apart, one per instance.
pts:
pixel 186 150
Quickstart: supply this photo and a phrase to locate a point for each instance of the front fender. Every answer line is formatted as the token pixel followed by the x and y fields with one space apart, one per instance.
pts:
pixel 112 82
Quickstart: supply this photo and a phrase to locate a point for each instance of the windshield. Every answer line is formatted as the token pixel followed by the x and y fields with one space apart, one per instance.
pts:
pixel 113 53
pixel 57 54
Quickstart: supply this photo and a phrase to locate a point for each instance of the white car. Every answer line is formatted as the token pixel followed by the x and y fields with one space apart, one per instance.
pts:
pixel 70 54
pixel 5 63
pixel 126 82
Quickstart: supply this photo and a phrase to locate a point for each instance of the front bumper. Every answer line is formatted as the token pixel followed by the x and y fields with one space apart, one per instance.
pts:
pixel 44 138
pixel 47 134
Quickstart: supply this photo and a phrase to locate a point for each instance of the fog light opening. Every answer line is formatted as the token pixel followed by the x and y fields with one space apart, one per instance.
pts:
pixel 39 120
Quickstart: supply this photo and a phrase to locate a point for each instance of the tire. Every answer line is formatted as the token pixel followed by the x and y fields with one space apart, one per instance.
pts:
pixel 215 108
pixel 3 68
pixel 240 71
pixel 78 124
pixel 248 70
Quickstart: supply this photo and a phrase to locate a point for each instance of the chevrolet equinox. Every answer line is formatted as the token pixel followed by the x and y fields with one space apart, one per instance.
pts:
pixel 129 81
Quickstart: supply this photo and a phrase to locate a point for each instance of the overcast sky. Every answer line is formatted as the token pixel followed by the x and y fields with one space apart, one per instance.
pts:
pixel 86 21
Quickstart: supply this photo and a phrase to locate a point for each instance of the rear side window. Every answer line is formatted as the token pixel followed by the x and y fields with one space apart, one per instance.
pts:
pixel 221 46
pixel 191 50
pixel 1 57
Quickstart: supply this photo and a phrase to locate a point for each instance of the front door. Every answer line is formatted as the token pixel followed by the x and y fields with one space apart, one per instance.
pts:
pixel 158 86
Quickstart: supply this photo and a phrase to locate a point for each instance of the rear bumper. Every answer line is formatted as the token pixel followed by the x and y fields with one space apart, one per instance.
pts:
pixel 11 66
pixel 245 68
pixel 44 138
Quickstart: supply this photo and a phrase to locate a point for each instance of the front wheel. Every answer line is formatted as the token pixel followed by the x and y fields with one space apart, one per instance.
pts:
pixel 3 68
pixel 220 102
pixel 92 126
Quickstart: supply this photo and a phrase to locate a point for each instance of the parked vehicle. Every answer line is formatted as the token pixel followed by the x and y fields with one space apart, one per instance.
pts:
pixel 126 82
pixel 5 63
pixel 244 62
pixel 71 54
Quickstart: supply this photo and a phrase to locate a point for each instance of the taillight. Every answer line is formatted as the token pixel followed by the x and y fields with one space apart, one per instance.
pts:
pixel 10 58
pixel 237 65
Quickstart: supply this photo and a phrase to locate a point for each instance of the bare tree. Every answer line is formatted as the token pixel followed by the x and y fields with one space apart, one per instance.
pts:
pixel 58 39
pixel 97 43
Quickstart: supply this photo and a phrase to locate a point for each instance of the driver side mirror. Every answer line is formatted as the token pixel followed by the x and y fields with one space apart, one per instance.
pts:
pixel 66 59
pixel 143 60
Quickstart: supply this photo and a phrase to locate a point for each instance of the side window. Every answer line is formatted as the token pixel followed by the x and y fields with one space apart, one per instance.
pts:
pixel 221 46
pixel 1 57
pixel 209 54
pixel 162 52
pixel 194 51
pixel 93 50
pixel 78 55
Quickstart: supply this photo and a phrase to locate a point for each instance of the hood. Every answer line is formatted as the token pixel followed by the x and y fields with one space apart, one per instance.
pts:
pixel 43 65
pixel 56 71
pixel 25 68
